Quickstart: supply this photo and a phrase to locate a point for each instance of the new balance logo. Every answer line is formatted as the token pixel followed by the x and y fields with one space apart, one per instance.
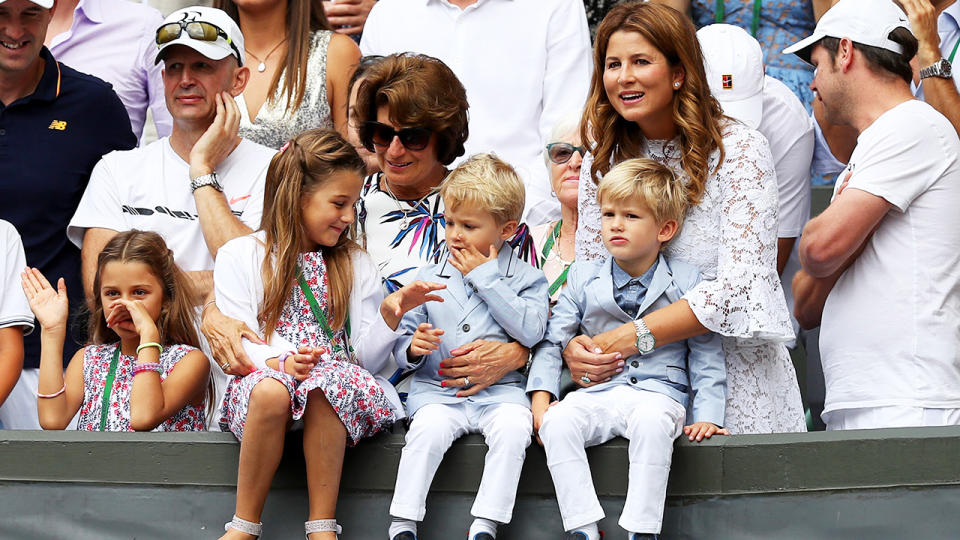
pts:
pixel 59 125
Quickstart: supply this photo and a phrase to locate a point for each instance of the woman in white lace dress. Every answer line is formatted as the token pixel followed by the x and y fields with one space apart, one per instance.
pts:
pixel 649 97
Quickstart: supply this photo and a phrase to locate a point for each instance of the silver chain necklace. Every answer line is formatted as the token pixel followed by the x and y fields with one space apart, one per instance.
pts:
pixel 406 213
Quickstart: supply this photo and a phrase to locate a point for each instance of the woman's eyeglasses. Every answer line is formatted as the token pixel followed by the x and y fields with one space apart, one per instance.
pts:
pixel 381 135
pixel 198 30
pixel 561 152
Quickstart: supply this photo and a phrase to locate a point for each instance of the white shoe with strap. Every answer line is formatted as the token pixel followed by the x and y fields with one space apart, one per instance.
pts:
pixel 244 526
pixel 321 525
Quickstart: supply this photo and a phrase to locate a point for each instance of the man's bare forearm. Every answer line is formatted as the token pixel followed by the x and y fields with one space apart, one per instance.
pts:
pixel 217 221
pixel 202 281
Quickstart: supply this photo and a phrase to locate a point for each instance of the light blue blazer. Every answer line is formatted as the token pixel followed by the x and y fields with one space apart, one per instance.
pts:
pixel 587 306
pixel 508 301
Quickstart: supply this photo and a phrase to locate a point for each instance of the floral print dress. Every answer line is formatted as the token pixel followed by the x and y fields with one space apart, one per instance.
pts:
pixel 352 391
pixel 97 360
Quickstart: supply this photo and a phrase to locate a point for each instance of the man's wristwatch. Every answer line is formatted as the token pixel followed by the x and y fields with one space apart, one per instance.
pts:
pixel 645 340
pixel 206 180
pixel 941 68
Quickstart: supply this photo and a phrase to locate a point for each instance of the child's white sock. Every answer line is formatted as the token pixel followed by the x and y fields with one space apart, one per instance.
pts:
pixel 480 525
pixel 398 525
pixel 591 530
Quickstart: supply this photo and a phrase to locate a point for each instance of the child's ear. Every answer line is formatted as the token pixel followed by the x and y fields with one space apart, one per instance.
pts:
pixel 667 229
pixel 508 229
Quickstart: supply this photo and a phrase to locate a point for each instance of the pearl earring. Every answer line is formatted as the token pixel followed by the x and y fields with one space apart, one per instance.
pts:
pixel 676 84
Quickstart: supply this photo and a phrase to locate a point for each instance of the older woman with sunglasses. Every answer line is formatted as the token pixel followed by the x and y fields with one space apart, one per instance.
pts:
pixel 555 241
pixel 411 111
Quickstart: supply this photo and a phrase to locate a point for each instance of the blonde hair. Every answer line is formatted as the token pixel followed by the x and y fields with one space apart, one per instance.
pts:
pixel 649 182
pixel 696 113
pixel 485 181
pixel 309 161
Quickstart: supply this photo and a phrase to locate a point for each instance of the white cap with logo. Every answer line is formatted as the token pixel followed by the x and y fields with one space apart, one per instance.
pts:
pixel 209 31
pixel 867 22
pixel 733 61
pixel 45 4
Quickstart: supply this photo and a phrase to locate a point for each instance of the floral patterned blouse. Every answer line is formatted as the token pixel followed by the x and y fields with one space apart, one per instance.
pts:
pixel 97 360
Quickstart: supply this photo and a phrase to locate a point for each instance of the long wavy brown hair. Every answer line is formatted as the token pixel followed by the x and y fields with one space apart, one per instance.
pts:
pixel 696 113
pixel 303 17
pixel 308 162
pixel 177 320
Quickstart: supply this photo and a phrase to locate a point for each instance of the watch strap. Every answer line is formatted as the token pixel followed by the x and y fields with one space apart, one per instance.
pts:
pixel 206 180
pixel 941 68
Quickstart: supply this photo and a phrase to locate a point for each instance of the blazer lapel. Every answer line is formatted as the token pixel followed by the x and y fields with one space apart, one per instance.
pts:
pixel 662 278
pixel 506 263
pixel 601 288
pixel 450 276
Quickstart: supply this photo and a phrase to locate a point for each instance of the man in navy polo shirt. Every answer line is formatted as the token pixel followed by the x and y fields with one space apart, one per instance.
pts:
pixel 55 124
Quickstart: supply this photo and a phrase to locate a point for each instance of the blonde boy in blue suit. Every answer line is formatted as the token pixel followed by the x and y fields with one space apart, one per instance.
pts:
pixel 490 294
pixel 642 206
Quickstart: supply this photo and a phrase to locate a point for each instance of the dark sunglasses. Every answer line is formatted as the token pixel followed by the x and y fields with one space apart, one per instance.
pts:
pixel 198 30
pixel 381 135
pixel 561 152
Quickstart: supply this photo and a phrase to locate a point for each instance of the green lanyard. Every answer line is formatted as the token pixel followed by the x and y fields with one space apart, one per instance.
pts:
pixel 720 13
pixel 547 246
pixel 321 316
pixel 954 53
pixel 111 374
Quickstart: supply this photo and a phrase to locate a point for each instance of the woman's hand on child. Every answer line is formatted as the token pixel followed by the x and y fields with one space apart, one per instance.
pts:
pixel 425 340
pixel 406 298
pixel 50 306
pixel 698 430
pixel 468 258
pixel 133 317
pixel 587 360
pixel 225 336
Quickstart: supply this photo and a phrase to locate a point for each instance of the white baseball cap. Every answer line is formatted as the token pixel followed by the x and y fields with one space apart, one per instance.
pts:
pixel 216 46
pixel 45 4
pixel 867 22
pixel 733 61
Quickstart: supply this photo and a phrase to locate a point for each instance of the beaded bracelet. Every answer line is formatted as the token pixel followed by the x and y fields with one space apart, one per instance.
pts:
pixel 149 366
pixel 148 345
pixel 53 395
pixel 282 358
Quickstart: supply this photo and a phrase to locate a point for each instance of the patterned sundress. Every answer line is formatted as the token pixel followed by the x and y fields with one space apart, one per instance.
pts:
pixel 97 360
pixel 352 391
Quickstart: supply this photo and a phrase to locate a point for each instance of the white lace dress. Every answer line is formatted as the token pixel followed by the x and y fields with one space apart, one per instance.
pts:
pixel 732 237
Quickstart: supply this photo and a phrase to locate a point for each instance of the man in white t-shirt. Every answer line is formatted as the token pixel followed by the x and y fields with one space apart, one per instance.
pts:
pixel 881 264
pixel 16 319
pixel 524 64
pixel 198 188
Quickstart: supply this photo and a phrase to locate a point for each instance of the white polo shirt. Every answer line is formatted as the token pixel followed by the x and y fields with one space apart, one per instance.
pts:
pixel 14 309
pixel 524 63
pixel 890 334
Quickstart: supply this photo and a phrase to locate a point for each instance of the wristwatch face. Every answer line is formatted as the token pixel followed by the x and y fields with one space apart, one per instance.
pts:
pixel 645 343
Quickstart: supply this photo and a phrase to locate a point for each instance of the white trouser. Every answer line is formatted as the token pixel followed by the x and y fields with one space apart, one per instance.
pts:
pixel 651 421
pixel 889 417
pixel 19 411
pixel 506 428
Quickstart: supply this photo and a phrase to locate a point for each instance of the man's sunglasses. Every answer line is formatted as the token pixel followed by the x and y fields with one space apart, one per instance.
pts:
pixel 561 152
pixel 198 30
pixel 381 135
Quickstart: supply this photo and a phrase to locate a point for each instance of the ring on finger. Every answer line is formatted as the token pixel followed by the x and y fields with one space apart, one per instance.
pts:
pixel 225 366
pixel 584 379
pixel 466 381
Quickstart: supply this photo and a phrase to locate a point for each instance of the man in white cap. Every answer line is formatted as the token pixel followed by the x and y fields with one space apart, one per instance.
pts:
pixel 882 263
pixel 55 124
pixel 201 186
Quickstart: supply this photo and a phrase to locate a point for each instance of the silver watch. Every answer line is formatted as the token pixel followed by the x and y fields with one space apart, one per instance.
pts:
pixel 941 68
pixel 645 340
pixel 206 180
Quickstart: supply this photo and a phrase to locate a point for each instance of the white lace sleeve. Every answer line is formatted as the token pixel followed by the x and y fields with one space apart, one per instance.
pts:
pixel 588 243
pixel 745 299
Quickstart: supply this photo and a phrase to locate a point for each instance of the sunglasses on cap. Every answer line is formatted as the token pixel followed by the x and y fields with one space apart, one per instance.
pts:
pixel 198 30
pixel 561 152
pixel 381 135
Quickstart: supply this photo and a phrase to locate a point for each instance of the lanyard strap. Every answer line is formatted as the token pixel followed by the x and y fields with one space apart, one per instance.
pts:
pixel 954 53
pixel 720 13
pixel 111 374
pixel 320 315
pixel 547 247
pixel 561 279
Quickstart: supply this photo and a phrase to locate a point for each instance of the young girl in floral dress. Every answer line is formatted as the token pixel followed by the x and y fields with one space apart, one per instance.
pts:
pixel 143 370
pixel 317 297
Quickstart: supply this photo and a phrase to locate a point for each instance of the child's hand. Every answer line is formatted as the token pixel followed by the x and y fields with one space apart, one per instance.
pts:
pixel 699 430
pixel 300 364
pixel 425 340
pixel 50 306
pixel 406 298
pixel 539 403
pixel 132 316
pixel 468 258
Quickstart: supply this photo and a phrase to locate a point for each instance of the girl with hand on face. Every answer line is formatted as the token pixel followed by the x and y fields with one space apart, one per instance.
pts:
pixel 143 371
pixel 317 298
pixel 650 98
